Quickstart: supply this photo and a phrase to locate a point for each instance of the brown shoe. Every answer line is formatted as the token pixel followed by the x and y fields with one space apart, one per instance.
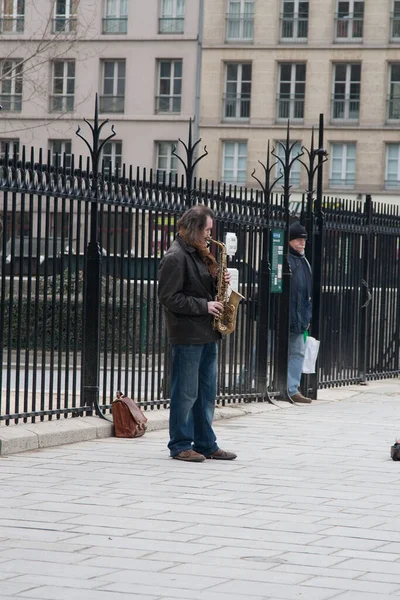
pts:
pixel 222 455
pixel 300 398
pixel 189 456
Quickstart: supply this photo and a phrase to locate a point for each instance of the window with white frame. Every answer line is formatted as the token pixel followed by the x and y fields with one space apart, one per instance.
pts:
pixel 343 165
pixel 295 170
pixel 62 99
pixel 12 15
pixel 292 91
pixel 115 16
pixel 237 91
pixel 65 16
pixel 394 92
pixel 294 20
pixel 11 85
pixel 346 91
pixel 234 159
pixel 61 151
pixel 113 92
pixel 395 21
pixel 349 20
pixel 9 147
pixel 167 163
pixel 112 155
pixel 240 21
pixel 392 179
pixel 169 86
pixel 172 17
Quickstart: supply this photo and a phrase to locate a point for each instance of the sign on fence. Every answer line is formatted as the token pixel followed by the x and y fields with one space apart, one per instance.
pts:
pixel 277 237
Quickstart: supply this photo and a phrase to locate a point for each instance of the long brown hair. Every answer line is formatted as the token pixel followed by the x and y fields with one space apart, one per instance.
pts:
pixel 190 226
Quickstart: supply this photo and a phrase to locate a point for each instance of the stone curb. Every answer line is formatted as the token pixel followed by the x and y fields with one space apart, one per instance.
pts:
pixel 32 436
pixel 20 438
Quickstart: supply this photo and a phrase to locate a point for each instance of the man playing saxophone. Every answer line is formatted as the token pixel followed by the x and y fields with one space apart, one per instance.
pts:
pixel 187 287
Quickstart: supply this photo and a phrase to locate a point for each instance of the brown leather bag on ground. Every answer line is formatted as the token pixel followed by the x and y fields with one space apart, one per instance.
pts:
pixel 129 421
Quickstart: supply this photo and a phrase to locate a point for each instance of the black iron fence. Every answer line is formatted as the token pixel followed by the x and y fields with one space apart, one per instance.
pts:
pixel 80 249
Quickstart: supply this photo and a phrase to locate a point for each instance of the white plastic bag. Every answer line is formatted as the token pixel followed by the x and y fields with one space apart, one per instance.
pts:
pixel 310 357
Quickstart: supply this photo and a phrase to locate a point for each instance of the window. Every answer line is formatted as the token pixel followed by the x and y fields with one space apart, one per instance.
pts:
pixel 116 16
pixel 113 96
pixel 61 148
pixel 392 166
pixel 11 146
pixel 167 163
pixel 65 16
pixel 11 85
pixel 349 20
pixel 294 178
pixel 169 86
pixel 235 162
pixel 292 90
pixel 240 21
pixel 395 21
pixel 112 154
pixel 294 20
pixel 343 165
pixel 346 91
pixel 12 16
pixel 237 91
pixel 62 99
pixel 394 92
pixel 172 16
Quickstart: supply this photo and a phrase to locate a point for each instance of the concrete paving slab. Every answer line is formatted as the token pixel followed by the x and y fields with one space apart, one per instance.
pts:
pixel 306 511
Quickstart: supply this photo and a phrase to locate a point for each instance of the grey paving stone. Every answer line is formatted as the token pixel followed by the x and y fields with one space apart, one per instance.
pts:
pixel 54 569
pixel 341 542
pixel 60 593
pixel 236 571
pixel 362 596
pixel 354 585
pixel 287 592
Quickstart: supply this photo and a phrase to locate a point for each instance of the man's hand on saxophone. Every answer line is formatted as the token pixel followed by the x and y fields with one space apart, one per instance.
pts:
pixel 215 308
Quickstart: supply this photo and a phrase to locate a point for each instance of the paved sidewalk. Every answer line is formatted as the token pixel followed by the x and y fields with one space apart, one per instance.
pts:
pixel 308 511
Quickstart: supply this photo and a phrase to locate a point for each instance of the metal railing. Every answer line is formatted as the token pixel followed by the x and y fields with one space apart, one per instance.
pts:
pixel 345 109
pixel 239 28
pixel 12 24
pixel 11 102
pixel 60 103
pixel 115 25
pixel 112 104
pixel 168 104
pixel 236 107
pixel 395 27
pixel 348 183
pixel 171 24
pixel 349 29
pixel 65 25
pixel 290 108
pixel 294 28
pixel 80 248
pixel 393 107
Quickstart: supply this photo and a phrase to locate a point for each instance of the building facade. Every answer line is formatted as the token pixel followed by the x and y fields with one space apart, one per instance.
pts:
pixel 141 58
pixel 266 62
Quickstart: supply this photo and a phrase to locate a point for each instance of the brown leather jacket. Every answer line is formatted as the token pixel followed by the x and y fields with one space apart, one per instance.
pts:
pixel 184 288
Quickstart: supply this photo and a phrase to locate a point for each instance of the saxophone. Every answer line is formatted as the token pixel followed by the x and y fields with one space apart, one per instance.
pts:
pixel 226 322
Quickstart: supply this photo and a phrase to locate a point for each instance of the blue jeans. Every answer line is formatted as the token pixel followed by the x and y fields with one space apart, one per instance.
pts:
pixel 297 348
pixel 193 392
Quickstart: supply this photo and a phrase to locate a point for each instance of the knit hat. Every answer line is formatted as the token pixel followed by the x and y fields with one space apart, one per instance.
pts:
pixel 297 231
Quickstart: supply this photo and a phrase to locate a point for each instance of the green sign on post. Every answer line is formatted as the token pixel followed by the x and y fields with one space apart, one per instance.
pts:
pixel 277 237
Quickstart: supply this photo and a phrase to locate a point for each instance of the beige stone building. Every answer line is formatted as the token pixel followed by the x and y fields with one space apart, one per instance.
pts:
pixel 141 58
pixel 267 61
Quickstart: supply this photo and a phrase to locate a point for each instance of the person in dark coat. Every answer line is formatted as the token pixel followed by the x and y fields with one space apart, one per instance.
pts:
pixel 300 308
pixel 187 290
